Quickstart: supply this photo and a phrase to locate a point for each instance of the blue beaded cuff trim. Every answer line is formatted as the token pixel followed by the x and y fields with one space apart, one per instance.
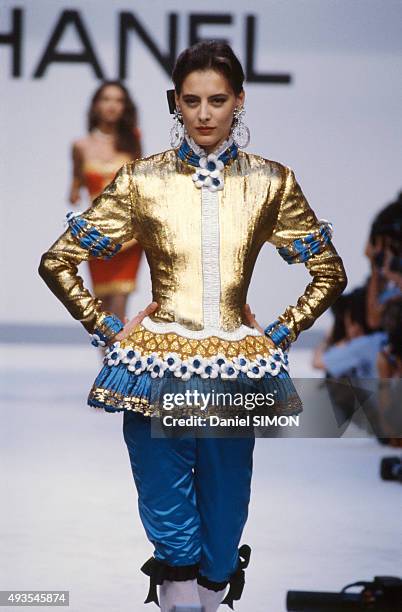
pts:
pixel 186 154
pixel 91 238
pixel 110 326
pixel 279 334
pixel 300 250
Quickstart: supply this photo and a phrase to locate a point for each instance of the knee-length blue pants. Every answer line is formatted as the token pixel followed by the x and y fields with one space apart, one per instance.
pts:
pixel 193 496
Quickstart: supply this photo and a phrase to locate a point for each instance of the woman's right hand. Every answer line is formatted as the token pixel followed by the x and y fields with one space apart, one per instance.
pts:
pixel 131 325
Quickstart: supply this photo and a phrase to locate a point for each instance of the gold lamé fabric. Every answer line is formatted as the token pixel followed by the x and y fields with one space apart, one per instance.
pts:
pixel 155 201
pixel 147 342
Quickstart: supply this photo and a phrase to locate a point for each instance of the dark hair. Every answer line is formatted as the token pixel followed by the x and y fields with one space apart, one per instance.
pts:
pixel 128 138
pixel 357 308
pixel 353 303
pixel 338 329
pixel 209 54
pixel 392 324
pixel 388 223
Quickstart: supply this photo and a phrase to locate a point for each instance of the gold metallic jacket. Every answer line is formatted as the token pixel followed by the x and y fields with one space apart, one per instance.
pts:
pixel 155 201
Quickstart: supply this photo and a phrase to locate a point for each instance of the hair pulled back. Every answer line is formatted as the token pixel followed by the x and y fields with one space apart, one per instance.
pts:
pixel 209 54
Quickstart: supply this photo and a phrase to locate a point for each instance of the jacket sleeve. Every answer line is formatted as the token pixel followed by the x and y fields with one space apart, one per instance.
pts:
pixel 301 238
pixel 98 232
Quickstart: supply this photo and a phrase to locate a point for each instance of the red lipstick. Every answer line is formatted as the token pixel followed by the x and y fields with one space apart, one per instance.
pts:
pixel 205 130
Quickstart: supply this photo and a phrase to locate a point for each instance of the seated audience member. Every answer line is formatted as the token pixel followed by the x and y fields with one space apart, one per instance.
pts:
pixel 389 365
pixel 355 355
pixel 336 334
pixel 389 359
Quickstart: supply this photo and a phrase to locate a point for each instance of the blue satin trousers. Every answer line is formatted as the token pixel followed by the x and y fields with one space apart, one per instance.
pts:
pixel 193 495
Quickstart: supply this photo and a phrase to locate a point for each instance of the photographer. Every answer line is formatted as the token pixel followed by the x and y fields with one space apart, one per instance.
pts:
pixel 384 251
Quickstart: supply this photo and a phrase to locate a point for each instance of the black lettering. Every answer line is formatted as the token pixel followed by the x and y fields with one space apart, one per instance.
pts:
pixel 14 38
pixel 198 19
pixel 251 75
pixel 128 22
pixel 52 55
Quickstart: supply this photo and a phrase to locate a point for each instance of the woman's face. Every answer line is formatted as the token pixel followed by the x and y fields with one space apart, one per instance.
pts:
pixel 110 104
pixel 207 102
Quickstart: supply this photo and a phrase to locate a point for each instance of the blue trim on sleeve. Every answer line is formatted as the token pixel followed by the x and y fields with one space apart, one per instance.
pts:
pixel 91 239
pixel 301 249
pixel 110 326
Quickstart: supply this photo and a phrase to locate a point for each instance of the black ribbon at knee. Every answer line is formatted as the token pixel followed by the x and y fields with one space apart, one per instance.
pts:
pixel 237 579
pixel 210 584
pixel 159 571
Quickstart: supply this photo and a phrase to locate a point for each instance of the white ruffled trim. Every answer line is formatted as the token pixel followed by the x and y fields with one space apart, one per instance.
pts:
pixel 175 328
pixel 201 152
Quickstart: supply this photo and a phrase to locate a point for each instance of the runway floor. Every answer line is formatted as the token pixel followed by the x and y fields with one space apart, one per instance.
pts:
pixel 320 516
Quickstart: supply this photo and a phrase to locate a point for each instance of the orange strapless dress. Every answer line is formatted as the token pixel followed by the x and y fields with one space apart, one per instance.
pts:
pixel 119 274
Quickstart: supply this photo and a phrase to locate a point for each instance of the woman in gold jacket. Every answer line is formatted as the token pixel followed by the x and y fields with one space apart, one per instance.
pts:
pixel 202 211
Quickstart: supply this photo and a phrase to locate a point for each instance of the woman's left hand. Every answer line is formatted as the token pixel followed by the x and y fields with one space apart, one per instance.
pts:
pixel 249 319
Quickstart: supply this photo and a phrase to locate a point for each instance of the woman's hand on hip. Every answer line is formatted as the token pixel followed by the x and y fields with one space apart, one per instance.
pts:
pixel 249 319
pixel 131 325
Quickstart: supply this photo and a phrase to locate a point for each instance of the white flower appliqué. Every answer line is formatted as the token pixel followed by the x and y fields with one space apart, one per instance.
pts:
pixel 209 173
pixel 97 340
pixel 216 366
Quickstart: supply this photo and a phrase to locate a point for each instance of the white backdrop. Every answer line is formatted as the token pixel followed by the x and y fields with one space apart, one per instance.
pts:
pixel 338 125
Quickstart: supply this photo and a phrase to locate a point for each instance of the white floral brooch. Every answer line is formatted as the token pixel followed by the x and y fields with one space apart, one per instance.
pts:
pixel 208 168
pixel 209 173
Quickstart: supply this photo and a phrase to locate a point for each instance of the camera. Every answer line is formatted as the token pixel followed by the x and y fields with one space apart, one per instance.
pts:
pixel 391 468
pixel 384 594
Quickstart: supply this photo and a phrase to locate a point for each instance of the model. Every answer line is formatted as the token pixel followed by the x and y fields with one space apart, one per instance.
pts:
pixel 202 210
pixel 113 139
